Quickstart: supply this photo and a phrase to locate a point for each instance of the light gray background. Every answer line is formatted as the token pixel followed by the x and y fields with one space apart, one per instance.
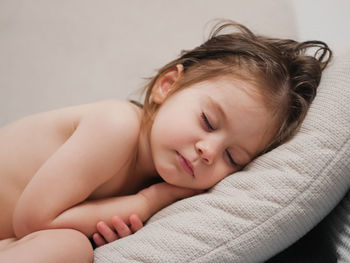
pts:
pixel 66 52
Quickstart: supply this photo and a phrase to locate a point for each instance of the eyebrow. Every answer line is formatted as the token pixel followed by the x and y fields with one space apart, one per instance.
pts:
pixel 218 107
pixel 250 156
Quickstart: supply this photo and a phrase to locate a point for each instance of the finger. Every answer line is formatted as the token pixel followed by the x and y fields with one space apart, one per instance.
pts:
pixel 98 240
pixel 122 229
pixel 135 223
pixel 108 234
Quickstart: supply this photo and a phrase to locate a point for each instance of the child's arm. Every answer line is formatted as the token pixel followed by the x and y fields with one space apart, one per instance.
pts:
pixel 99 147
pixel 122 227
pixel 85 216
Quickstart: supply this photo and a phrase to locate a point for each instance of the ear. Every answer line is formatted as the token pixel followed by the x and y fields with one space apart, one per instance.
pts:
pixel 165 83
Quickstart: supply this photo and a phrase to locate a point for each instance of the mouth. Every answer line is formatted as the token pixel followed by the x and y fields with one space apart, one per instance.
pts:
pixel 185 164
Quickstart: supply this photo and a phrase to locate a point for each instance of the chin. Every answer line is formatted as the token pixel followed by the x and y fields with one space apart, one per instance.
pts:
pixel 168 174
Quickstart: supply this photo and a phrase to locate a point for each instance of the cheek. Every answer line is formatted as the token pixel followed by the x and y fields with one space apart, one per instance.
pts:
pixel 211 175
pixel 173 127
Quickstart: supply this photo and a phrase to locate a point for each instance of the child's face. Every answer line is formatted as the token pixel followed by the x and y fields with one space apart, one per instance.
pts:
pixel 205 132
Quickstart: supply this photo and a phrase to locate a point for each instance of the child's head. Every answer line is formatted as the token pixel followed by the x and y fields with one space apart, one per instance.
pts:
pixel 266 84
pixel 286 76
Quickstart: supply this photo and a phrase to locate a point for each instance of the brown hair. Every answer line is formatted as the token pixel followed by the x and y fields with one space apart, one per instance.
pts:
pixel 286 72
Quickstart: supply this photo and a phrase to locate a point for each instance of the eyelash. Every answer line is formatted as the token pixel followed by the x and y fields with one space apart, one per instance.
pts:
pixel 233 163
pixel 211 128
pixel 207 122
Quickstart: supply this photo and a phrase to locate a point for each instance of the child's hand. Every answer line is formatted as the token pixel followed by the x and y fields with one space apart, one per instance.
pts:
pixel 121 229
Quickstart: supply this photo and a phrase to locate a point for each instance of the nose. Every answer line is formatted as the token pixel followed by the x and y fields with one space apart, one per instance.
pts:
pixel 207 150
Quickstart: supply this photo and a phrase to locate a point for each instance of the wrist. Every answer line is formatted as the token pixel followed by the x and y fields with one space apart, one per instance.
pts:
pixel 146 201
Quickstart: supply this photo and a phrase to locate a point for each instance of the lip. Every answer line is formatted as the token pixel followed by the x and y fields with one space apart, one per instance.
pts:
pixel 185 164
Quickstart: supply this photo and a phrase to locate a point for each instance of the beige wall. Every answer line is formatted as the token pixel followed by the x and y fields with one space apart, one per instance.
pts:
pixel 326 20
pixel 66 52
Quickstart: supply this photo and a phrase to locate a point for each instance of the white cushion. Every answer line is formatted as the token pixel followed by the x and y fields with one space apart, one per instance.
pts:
pixel 255 213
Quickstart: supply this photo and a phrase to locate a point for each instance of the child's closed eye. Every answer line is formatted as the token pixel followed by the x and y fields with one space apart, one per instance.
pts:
pixel 210 127
pixel 232 161
pixel 207 123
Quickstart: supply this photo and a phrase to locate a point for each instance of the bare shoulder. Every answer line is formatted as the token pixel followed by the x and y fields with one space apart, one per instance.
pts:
pixel 114 117
pixel 117 114
pixel 111 127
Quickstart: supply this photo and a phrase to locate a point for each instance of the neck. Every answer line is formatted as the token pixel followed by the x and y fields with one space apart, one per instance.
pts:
pixel 144 166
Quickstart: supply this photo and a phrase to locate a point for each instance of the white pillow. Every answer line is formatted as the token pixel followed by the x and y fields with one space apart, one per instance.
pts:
pixel 255 213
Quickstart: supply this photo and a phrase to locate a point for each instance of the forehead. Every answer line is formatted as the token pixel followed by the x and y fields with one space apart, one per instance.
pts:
pixel 230 93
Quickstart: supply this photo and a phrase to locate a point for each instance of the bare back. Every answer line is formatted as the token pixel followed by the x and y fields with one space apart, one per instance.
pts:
pixel 26 144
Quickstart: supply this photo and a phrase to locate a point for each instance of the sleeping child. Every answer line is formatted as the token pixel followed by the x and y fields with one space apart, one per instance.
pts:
pixel 66 173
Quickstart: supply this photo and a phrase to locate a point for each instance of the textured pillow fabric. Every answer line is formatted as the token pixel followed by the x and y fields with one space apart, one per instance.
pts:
pixel 253 214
